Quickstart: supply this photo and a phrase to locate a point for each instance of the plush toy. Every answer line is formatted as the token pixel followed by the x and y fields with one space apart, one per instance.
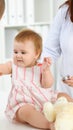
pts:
pixel 61 112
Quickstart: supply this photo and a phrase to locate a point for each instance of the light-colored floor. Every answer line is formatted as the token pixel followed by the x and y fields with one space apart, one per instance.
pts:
pixel 4 123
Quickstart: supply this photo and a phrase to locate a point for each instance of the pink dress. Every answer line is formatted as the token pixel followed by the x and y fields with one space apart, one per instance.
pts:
pixel 26 88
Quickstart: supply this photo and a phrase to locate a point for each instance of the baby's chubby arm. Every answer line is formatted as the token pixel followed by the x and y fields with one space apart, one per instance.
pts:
pixel 6 68
pixel 47 77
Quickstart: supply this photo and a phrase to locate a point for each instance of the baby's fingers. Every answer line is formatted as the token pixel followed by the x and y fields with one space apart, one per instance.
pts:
pixel 48 60
pixel 52 126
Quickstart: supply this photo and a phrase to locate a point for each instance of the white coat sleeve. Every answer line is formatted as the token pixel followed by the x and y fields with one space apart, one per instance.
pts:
pixel 52 45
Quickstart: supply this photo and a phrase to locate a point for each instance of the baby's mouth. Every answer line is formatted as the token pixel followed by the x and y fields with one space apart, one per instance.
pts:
pixel 19 61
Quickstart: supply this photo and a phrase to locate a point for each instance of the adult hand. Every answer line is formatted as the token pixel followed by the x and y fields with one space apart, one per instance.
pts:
pixel 69 81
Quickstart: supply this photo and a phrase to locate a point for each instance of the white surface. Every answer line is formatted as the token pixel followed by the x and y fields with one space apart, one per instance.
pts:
pixel 4 123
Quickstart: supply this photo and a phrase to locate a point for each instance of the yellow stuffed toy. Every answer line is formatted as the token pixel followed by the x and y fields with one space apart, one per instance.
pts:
pixel 61 112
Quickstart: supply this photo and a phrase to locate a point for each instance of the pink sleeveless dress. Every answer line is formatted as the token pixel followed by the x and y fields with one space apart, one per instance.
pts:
pixel 26 88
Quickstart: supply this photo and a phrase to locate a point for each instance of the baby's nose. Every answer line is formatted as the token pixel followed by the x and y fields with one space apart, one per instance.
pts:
pixel 19 55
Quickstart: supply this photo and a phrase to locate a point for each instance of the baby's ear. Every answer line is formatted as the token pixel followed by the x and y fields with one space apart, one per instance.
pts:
pixel 49 112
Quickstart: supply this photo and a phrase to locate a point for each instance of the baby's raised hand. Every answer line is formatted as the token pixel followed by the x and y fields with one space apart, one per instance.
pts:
pixel 46 63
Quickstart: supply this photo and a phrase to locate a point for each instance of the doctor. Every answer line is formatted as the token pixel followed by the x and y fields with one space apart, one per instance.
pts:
pixel 60 43
pixel 2 7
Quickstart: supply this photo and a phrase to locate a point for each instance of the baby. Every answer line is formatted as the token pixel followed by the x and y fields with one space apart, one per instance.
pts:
pixel 31 81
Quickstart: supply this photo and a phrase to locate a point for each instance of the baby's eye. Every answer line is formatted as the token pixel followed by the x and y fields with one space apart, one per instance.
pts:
pixel 23 52
pixel 15 52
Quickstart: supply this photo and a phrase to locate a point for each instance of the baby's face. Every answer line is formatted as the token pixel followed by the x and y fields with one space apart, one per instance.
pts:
pixel 24 54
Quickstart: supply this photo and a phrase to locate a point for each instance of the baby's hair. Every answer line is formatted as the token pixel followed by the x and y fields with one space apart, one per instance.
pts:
pixel 2 7
pixel 28 34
